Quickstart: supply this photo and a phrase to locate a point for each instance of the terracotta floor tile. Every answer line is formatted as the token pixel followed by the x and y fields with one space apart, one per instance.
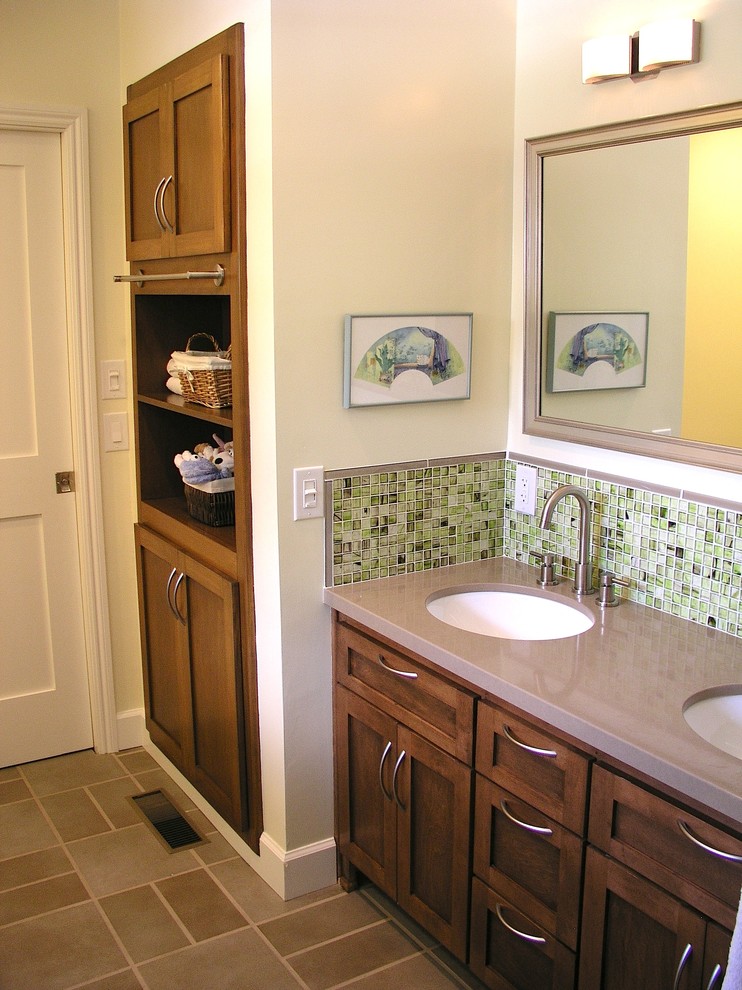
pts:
pixel 239 961
pixel 34 866
pixel 419 973
pixel 12 790
pixel 137 760
pixel 259 901
pixel 74 815
pixel 120 981
pixel 69 947
pixel 143 923
pixel 113 798
pixel 23 829
pixel 38 898
pixel 202 907
pixel 126 858
pixel 319 923
pixel 352 956
pixel 62 773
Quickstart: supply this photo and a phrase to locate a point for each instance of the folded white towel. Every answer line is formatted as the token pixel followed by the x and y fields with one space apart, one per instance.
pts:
pixel 733 976
pixel 189 361
pixel 174 385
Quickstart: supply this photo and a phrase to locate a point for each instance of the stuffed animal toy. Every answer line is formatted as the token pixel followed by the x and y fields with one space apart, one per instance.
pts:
pixel 224 456
pixel 196 469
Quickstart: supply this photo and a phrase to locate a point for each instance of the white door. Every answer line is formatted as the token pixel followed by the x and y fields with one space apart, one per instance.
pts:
pixel 44 696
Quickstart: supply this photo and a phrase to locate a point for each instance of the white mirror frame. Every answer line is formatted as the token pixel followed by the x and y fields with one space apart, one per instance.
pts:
pixel 572 431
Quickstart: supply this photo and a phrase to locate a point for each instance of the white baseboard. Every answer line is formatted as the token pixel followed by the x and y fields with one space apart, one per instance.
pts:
pixel 130 729
pixel 290 873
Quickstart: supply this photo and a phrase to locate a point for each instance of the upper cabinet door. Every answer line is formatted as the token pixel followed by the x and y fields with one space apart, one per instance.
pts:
pixel 177 166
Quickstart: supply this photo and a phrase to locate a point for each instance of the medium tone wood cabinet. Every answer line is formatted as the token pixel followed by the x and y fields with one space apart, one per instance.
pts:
pixel 189 616
pixel 403 804
pixel 184 157
pixel 177 165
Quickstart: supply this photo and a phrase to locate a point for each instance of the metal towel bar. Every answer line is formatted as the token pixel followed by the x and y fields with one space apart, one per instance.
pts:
pixel 140 277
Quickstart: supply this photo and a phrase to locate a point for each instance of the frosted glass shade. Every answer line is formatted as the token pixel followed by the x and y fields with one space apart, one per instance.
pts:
pixel 606 58
pixel 665 43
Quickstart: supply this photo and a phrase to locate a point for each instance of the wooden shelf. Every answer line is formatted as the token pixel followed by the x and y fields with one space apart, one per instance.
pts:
pixel 214 544
pixel 176 403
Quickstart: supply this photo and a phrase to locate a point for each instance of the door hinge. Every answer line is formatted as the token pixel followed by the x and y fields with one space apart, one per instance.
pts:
pixel 65 482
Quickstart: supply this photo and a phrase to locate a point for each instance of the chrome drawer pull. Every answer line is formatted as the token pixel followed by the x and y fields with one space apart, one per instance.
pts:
pixel 400 673
pixel 730 857
pixel 178 614
pixel 714 981
pixel 530 749
pixel 397 765
pixel 516 821
pixel 384 755
pixel 687 953
pixel 528 938
pixel 167 592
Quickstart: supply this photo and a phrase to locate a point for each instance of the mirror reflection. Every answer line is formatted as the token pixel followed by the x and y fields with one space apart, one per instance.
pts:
pixel 634 294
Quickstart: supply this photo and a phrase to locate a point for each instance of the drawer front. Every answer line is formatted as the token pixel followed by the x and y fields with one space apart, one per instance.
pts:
pixel 530 764
pixel 431 705
pixel 659 839
pixel 510 952
pixel 533 861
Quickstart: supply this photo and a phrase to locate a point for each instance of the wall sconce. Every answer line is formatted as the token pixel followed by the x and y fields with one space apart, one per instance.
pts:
pixel 657 46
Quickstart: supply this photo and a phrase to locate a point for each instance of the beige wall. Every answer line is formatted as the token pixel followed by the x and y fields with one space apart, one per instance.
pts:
pixel 52 59
pixel 548 62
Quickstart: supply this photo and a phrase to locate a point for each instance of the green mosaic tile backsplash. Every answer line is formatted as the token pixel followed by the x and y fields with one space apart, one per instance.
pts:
pixel 680 556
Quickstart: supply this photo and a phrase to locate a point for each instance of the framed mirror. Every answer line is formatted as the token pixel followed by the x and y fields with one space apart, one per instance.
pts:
pixel 633 308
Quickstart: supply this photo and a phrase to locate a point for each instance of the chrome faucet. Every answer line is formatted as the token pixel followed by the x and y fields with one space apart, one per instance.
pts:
pixel 583 577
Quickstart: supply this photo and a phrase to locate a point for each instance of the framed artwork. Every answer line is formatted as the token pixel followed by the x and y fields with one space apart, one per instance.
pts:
pixel 590 351
pixel 422 357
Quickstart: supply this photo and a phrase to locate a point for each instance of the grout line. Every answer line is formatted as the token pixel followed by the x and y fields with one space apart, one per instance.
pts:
pixel 337 938
pixel 172 912
pixel 372 972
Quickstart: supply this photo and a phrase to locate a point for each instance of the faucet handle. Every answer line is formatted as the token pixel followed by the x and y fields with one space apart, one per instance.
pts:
pixel 607 589
pixel 546 574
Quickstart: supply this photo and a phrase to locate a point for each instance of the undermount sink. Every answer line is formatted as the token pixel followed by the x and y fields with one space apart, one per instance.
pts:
pixel 509 612
pixel 716 715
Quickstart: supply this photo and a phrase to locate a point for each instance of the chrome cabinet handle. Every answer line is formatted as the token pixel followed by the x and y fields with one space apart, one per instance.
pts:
pixel 529 749
pixel 163 189
pixel 167 592
pixel 178 614
pixel 524 935
pixel 397 765
pixel 384 755
pixel 730 857
pixel 538 829
pixel 687 953
pixel 411 675
pixel 156 205
pixel 714 981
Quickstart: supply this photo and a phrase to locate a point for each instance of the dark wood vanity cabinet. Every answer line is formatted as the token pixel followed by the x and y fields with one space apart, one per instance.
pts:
pixel 529 823
pixel 403 797
pixel 662 880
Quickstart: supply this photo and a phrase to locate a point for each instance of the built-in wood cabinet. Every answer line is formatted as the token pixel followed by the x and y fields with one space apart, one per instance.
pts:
pixel 189 616
pixel 582 878
pixel 184 158
pixel 403 797
pixel 177 165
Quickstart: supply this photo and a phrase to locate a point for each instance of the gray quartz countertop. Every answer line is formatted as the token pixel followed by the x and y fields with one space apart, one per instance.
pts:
pixel 619 688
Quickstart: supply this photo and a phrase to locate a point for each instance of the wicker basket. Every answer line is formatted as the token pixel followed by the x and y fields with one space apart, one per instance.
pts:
pixel 212 388
pixel 211 503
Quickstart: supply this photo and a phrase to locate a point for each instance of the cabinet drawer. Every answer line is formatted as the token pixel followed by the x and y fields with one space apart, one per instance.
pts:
pixel 533 861
pixel 510 952
pixel 665 843
pixel 431 705
pixel 546 773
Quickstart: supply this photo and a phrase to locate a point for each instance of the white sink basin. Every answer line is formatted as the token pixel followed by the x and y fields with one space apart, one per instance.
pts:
pixel 509 613
pixel 716 716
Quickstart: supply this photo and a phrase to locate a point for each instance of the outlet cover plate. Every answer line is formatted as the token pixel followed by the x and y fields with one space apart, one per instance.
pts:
pixel 526 483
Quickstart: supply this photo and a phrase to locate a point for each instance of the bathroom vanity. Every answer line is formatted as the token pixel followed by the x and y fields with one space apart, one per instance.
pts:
pixel 537 805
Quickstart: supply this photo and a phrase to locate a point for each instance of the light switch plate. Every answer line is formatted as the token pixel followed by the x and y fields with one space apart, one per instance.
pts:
pixel 113 379
pixel 309 492
pixel 115 431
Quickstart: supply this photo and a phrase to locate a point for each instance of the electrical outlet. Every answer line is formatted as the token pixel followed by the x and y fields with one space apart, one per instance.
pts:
pixel 526 481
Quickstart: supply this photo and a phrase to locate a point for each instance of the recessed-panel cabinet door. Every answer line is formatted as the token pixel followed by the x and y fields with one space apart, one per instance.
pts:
pixel 145 135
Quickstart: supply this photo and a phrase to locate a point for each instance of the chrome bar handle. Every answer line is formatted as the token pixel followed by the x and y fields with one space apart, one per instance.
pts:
pixel 178 613
pixel 140 278
pixel 384 755
pixel 156 205
pixel 714 981
pixel 167 591
pixel 538 829
pixel 529 749
pixel 687 953
pixel 409 674
pixel 163 189
pixel 397 765
pixel 730 857
pixel 524 935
